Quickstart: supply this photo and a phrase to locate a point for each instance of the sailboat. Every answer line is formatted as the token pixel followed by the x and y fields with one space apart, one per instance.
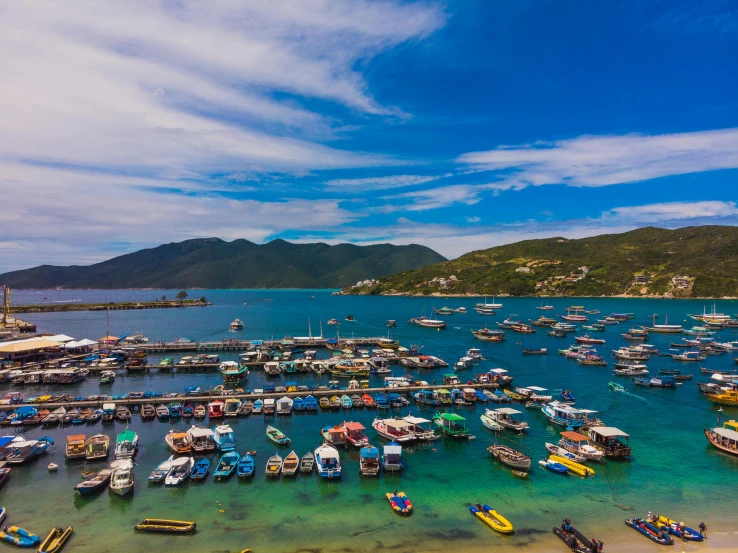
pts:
pixel 546 307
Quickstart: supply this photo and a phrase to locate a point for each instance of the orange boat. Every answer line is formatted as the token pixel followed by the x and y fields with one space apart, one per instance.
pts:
pixel 179 442
pixel 368 401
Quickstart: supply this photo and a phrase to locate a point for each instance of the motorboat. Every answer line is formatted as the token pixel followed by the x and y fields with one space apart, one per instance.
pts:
pixel 201 438
pixel 369 462
pixel 392 457
pixel 328 461
pixel 507 417
pixel 160 472
pixel 126 445
pixel 180 471
pixel 223 437
pixel 178 442
pixel 122 480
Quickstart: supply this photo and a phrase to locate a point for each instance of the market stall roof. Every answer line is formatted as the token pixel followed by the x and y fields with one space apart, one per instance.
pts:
pixel 31 345
pixel 80 344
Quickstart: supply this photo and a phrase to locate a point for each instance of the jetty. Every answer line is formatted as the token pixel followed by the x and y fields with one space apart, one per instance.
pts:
pixel 212 346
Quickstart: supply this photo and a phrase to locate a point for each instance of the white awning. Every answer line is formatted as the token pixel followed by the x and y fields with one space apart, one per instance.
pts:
pixel 416 420
pixel 80 344
pixel 508 411
pixel 726 433
pixel 393 450
pixel 607 431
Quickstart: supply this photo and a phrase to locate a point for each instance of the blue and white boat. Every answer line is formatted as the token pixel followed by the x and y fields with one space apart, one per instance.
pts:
pixel 246 466
pixel 382 401
pixel 426 397
pixel 180 471
pixel 175 410
pixel 392 457
pixel 160 472
pixel 311 404
pixel 568 416
pixel 481 396
pixel 23 413
pixel 298 404
pixel 328 461
pixel 200 470
pixel 223 437
pixel 553 466
pixel 28 450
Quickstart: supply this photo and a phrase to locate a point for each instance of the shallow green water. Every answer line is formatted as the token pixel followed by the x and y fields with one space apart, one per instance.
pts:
pixel 674 471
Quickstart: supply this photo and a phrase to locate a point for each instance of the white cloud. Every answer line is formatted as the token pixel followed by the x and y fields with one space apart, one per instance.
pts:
pixel 606 160
pixel 669 211
pixel 473 219
pixel 380 183
pixel 434 198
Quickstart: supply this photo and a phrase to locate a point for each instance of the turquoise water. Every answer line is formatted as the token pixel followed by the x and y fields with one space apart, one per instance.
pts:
pixel 674 471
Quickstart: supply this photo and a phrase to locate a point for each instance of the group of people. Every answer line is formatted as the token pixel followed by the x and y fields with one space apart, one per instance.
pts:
pixel 655 519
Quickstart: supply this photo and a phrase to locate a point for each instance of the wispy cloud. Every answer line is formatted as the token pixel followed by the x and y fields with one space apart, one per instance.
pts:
pixel 434 198
pixel 473 219
pixel 669 211
pixel 607 160
pixel 381 183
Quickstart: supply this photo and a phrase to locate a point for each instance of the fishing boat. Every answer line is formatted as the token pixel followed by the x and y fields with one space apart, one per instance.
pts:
pixel 201 439
pixel 587 339
pixel 369 461
pixel 226 465
pixel 488 335
pixel 274 466
pixel 200 470
pixel 162 469
pixel 634 370
pixel 396 430
pixel 656 381
pixel 75 448
pixel 650 531
pixel 27 450
pixel 311 404
pixel 180 471
pixel 291 464
pixel 452 425
pixel 353 433
pixel 216 409
pixel 162 412
pixel 492 518
pixel 509 418
pixel 307 463
pixel 94 483
pixel 258 407
pixel 725 437
pixel 399 502
pixel 610 440
pixel 126 445
pixel 246 466
pixel 122 413
pixel 328 461
pixel 55 540
pixel 97 447
pixel 148 412
pixel 269 406
pixel 688 356
pixel 276 436
pixel 579 445
pixel 20 537
pixel 165 526
pixel 224 438
pixel 511 454
pixel 122 480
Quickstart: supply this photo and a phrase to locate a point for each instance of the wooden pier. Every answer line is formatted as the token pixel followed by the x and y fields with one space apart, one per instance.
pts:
pixel 245 345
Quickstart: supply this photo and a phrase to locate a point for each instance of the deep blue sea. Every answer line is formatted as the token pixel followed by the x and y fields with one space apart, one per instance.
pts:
pixel 674 471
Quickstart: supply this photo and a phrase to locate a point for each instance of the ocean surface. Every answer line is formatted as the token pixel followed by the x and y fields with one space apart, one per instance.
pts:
pixel 674 471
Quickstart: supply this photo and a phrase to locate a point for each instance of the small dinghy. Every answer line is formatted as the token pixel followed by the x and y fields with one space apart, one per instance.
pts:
pixel 200 470
pixel 20 537
pixel 161 471
pixel 277 436
pixel 246 466
pixel 226 465
pixel 307 463
pixel 165 525
pixel 492 518
pixel 650 531
pixel 399 502
pixel 291 464
pixel 53 467
pixel 274 466
pixel 56 540
pixel 96 483
pixel 553 466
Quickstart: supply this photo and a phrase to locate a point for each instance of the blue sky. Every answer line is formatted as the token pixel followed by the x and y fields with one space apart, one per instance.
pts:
pixel 457 125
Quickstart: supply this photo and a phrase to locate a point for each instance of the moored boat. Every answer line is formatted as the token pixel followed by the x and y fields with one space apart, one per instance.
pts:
pixel 226 465
pixel 492 518
pixel 122 480
pixel 369 460
pixel 307 463
pixel 97 447
pixel 328 461
pixel 291 464
pixel 180 471
pixel 399 502
pixel 55 540
pixel 200 469
pixel 165 525
pixel 179 442
pixel 274 466
pixel 246 466
pixel 75 448
pixel 276 436
pixel 162 469
pixel 650 531
pixel 95 483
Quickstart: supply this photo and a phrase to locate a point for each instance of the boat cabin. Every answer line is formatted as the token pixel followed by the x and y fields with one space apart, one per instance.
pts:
pixel 369 460
pixel 354 433
pixel 421 432
pixel 75 447
pixel 451 379
pixel 611 441
pixel 392 457
pixel 334 435
pixel 452 424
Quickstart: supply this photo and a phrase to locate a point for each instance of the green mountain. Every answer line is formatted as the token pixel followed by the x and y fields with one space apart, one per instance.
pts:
pixel 638 263
pixel 214 263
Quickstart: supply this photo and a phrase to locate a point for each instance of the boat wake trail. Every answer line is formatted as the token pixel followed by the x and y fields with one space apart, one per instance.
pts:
pixel 627 393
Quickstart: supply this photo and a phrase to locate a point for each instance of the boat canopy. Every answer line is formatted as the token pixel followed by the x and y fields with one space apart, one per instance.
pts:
pixel 200 432
pixel 354 426
pixel 5 440
pixel 508 411
pixel 396 423
pixel 453 417
pixel 416 420
pixel 108 406
pixel 26 411
pixel 393 449
pixel 574 436
pixel 327 452
pixel 726 433
pixel 126 436
pixel 609 432
pixel 536 389
pixel 369 452
pixel 499 371
pixel 731 424
pixel 269 401
pixel 75 438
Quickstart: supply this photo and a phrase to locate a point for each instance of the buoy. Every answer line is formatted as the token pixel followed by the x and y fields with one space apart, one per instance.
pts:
pixel 221 511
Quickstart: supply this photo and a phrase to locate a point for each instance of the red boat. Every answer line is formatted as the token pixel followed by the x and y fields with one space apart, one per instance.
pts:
pixel 524 328
pixel 586 339
pixel 215 409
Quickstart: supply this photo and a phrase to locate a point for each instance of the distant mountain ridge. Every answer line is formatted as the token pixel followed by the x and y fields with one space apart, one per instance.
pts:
pixel 643 262
pixel 215 263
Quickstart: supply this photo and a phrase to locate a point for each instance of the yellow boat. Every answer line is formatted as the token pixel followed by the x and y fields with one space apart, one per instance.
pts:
pixel 726 397
pixel 165 525
pixel 513 395
pixel 492 518
pixel 574 467
pixel 55 540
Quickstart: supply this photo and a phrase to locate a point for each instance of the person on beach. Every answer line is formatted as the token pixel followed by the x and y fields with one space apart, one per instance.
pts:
pixel 703 530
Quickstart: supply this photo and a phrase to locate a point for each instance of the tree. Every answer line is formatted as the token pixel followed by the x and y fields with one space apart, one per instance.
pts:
pixel 203 300
pixel 163 298
pixel 181 295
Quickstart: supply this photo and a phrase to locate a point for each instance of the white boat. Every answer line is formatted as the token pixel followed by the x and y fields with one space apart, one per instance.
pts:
pixel 490 424
pixel 122 480
pixel 464 363
pixel 474 353
pixel 328 461
pixel 665 328
pixel 223 437
pixel 507 417
pixel 237 324
pixel 284 406
pixel 179 471
pixel 420 432
pixel 554 449
pixel 396 430
pixel 488 306
pixel 635 370
pixel 579 445
pixel 201 438
pixel 161 471
pixel 430 323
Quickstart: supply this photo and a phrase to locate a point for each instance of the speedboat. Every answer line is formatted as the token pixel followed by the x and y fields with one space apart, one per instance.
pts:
pixel 161 471
pixel 122 481
pixel 223 437
pixel 26 450
pixel 328 461
pixel 180 471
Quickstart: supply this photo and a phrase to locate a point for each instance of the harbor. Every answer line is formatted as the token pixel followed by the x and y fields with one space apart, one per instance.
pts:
pixel 442 477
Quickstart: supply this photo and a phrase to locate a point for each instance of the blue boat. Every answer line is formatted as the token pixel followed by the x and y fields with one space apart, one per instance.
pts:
pixel 479 394
pixel 553 466
pixel 382 401
pixel 311 404
pixel 175 410
pixel 246 466
pixel 396 400
pixel 223 437
pixel 567 396
pixel 20 537
pixel 298 404
pixel 650 531
pixel 226 465
pixel 328 461
pixel 23 413
pixel 200 470
pixel 426 397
